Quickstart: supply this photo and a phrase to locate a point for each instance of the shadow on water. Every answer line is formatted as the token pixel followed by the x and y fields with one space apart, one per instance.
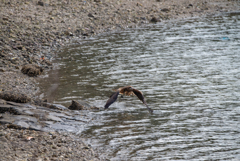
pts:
pixel 189 72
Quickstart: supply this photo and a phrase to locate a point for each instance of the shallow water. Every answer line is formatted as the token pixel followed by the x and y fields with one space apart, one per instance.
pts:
pixel 189 73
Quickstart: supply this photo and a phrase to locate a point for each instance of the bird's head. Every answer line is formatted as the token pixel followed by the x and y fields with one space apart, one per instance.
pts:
pixel 130 88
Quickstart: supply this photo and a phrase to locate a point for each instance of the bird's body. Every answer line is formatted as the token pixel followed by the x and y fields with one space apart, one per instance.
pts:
pixel 127 90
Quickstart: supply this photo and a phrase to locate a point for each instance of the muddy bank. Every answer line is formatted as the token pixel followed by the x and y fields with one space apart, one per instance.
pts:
pixel 32 32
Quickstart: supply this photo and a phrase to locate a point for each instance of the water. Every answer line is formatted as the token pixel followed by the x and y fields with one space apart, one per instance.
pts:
pixel 189 73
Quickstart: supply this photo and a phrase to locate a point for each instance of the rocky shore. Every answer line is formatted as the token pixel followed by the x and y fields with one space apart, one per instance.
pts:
pixel 31 33
pixel 28 131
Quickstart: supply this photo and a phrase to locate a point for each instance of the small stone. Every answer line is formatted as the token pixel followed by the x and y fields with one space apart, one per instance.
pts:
pixel 165 10
pixel 40 3
pixel 47 62
pixel 85 34
pixel 90 15
pixel 2 69
pixel 85 147
pixel 154 20
pixel 5 18
pixel 54 155
pixel 29 138
pixel 68 33
pixel 19 47
pixel 54 147
pixel 139 4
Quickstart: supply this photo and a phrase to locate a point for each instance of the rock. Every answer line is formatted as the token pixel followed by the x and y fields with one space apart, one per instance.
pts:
pixel 85 34
pixel 81 105
pixel 2 69
pixel 20 47
pixel 67 33
pixel 14 97
pixel 14 104
pixel 46 62
pixel 75 106
pixel 139 4
pixel 2 102
pixel 90 15
pixel 23 125
pixel 5 18
pixel 165 10
pixel 154 20
pixel 32 70
pixel 40 3
pixel 13 126
pixel 10 109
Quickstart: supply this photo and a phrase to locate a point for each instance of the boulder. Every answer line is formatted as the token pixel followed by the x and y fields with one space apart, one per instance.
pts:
pixel 81 105
pixel 76 106
pixel 32 70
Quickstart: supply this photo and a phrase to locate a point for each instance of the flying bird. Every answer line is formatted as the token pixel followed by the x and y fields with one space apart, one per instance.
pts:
pixel 128 90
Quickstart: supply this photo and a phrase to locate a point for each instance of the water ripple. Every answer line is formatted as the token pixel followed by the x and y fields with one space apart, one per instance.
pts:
pixel 189 72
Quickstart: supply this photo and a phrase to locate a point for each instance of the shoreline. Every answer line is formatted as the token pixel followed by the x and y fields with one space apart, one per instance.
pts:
pixel 32 29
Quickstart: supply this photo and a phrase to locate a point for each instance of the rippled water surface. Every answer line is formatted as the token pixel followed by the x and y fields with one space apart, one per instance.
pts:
pixel 189 72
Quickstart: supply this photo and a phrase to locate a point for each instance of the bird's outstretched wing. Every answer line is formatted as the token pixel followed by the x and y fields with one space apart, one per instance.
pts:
pixel 112 99
pixel 140 96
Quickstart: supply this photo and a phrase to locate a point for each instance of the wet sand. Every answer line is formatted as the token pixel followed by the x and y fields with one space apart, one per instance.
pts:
pixel 32 32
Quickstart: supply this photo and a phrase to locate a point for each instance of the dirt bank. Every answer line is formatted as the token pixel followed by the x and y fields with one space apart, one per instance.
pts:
pixel 32 31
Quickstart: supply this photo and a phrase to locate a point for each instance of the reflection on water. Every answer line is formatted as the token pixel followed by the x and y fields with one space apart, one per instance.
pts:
pixel 189 72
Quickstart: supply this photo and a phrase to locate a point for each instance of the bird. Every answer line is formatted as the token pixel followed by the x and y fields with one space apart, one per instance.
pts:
pixel 127 90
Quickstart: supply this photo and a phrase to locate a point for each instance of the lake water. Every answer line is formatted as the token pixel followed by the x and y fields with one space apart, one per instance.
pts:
pixel 189 73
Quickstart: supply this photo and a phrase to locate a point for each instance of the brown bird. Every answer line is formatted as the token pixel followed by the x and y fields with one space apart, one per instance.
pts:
pixel 128 90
